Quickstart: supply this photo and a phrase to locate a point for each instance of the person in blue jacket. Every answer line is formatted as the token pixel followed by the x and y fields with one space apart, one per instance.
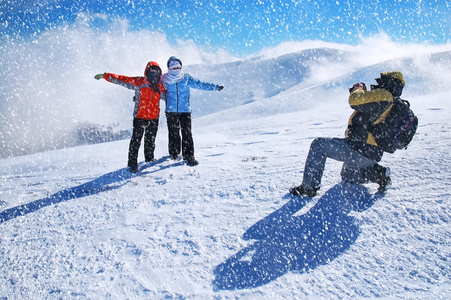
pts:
pixel 178 109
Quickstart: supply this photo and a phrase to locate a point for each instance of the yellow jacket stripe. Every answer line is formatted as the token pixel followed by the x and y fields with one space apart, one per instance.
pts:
pixel 361 97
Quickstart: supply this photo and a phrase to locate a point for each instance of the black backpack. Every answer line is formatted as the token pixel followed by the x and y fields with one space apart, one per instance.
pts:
pixel 397 129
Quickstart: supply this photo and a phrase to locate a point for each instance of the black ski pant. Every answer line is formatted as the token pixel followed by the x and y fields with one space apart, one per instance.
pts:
pixel 180 123
pixel 149 129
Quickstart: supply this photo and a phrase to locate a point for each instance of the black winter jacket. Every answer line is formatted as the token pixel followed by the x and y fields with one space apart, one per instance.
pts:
pixel 369 108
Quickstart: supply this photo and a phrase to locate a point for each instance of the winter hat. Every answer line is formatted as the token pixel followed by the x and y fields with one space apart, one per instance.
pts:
pixel 174 62
pixel 393 82
pixel 395 74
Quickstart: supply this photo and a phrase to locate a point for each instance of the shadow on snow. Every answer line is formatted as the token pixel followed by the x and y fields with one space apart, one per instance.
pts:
pixel 286 242
pixel 101 184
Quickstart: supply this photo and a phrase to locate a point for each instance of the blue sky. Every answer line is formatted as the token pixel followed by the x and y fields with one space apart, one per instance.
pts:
pixel 244 27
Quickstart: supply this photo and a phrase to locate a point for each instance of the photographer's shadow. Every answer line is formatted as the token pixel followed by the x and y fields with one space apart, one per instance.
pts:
pixel 284 242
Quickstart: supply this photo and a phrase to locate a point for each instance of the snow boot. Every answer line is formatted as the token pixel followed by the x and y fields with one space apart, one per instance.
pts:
pixel 132 163
pixel 191 161
pixel 302 191
pixel 133 169
pixel 382 177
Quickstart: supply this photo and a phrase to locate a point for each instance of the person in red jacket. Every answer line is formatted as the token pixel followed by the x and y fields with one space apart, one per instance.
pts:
pixel 148 91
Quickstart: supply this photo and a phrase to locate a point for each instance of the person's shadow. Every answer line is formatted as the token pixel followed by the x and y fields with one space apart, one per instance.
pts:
pixel 109 181
pixel 286 242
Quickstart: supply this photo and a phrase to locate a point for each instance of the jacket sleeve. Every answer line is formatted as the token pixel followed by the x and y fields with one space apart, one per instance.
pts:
pixel 132 83
pixel 162 92
pixel 373 102
pixel 200 85
pixel 358 127
pixel 369 107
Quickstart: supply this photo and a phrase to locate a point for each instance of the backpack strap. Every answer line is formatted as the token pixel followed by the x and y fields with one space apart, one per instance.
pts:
pixel 384 115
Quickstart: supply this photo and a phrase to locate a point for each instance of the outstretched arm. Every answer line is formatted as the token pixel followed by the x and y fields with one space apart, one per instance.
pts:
pixel 201 85
pixel 132 83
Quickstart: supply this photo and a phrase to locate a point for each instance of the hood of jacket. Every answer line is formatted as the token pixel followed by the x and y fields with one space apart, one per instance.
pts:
pixel 152 73
pixel 173 58
pixel 151 64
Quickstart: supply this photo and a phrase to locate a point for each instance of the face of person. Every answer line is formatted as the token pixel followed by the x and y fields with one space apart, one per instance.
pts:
pixel 153 76
pixel 175 70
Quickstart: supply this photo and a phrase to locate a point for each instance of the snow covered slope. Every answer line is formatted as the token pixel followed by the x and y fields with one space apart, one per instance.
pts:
pixel 76 225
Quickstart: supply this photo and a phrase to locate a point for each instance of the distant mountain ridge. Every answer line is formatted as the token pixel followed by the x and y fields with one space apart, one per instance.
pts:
pixel 259 78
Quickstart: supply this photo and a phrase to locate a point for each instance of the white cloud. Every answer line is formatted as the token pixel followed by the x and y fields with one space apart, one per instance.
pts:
pixel 48 81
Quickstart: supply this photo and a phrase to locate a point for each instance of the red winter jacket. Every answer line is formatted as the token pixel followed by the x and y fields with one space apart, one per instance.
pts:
pixel 147 100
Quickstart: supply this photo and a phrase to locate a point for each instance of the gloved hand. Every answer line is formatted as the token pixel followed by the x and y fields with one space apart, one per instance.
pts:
pixel 99 76
pixel 221 87
pixel 358 85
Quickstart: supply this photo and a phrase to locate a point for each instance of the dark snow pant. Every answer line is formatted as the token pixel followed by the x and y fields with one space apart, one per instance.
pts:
pixel 180 123
pixel 355 165
pixel 149 129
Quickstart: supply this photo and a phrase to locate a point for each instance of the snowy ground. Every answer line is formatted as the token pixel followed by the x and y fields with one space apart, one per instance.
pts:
pixel 76 225
pixel 163 234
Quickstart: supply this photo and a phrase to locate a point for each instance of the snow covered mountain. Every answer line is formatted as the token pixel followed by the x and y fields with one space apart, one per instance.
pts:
pixel 76 225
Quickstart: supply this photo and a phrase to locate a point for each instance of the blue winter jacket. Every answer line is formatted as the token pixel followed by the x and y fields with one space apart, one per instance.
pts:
pixel 178 94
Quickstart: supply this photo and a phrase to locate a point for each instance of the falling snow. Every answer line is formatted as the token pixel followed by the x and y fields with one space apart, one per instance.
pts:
pixel 77 225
